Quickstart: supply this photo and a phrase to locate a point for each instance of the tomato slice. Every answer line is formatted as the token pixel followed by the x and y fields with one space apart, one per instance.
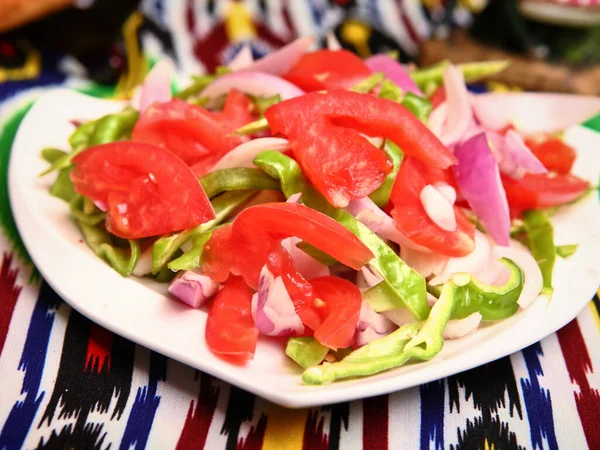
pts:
pixel 412 220
pixel 324 133
pixel 256 231
pixel 148 190
pixel 328 69
pixel 554 154
pixel 536 191
pixel 230 330
pixel 342 302
pixel 192 132
pixel 438 97
pixel 281 264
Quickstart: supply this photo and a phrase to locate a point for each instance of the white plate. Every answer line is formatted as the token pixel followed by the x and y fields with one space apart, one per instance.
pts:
pixel 139 310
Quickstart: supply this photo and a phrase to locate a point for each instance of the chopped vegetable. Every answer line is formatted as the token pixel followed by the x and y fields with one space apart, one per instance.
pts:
pixel 564 251
pixel 381 196
pixel 540 235
pixel 305 351
pixel 236 179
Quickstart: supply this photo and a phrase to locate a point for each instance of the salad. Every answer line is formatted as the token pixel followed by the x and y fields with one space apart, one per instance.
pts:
pixel 361 211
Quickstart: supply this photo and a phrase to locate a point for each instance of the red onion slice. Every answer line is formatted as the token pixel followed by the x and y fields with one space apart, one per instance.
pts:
pixel 393 71
pixel 332 42
pixel 254 83
pixel 157 85
pixel 447 191
pixel 438 208
pixel 459 115
pixel 533 276
pixel 478 178
pixel 282 60
pixel 244 154
pixel 305 264
pixel 193 288
pixel 272 308
pixel 371 325
pixel 474 263
pixel 369 214
pixel 517 158
pixel 461 327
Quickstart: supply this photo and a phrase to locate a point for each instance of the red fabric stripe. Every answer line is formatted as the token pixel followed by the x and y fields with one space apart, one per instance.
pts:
pixel 198 420
pixel 97 356
pixel 375 423
pixel 9 293
pixel 578 362
pixel 314 435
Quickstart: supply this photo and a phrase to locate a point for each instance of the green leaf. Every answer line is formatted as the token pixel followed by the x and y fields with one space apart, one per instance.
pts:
pixel 540 235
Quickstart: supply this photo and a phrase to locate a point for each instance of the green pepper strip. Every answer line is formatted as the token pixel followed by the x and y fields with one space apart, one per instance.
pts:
pixel 471 71
pixel 540 234
pixel 390 91
pixel 369 83
pixel 165 247
pixel 407 285
pixel 492 302
pixel 80 210
pixel 100 241
pixel 193 257
pixel 195 88
pixel 317 254
pixel 381 196
pixel 305 351
pixel 106 129
pixel 62 186
pixel 564 251
pixel 253 127
pixel 419 106
pixel 52 154
pixel 263 103
pixel 239 178
pixel 412 341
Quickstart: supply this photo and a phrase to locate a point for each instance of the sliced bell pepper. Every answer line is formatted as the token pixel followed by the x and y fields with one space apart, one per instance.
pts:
pixel 406 284
pixel 235 179
pixel 381 196
pixel 540 237
pixel 324 134
pixel 305 351
pixel 554 154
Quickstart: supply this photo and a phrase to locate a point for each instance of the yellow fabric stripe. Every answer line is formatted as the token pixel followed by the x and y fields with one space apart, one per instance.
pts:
pixel 594 312
pixel 285 428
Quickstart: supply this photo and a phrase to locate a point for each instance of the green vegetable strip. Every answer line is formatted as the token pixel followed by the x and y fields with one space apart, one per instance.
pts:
pixel 381 196
pixel 82 135
pixel 564 251
pixel 100 241
pixel 390 91
pixel 492 302
pixel 62 186
pixel 317 254
pixel 253 127
pixel 193 257
pixel 419 106
pixel 241 178
pixel 262 103
pixel 407 285
pixel 471 71
pixel 540 235
pixel 52 154
pixel 411 341
pixel 195 88
pixel 305 351
pixel 369 83
pixel 110 128
pixel 166 247
pixel 79 209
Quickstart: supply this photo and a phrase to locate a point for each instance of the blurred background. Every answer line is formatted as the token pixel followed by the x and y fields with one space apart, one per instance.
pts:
pixel 554 44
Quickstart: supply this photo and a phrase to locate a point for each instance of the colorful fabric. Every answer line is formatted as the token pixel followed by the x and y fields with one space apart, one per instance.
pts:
pixel 68 383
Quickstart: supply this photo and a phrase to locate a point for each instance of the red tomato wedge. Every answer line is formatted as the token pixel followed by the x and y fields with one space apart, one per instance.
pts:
pixel 244 248
pixel 342 302
pixel 324 133
pixel 148 190
pixel 328 69
pixel 192 132
pixel 281 264
pixel 230 330
pixel 554 154
pixel 412 220
pixel 535 191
